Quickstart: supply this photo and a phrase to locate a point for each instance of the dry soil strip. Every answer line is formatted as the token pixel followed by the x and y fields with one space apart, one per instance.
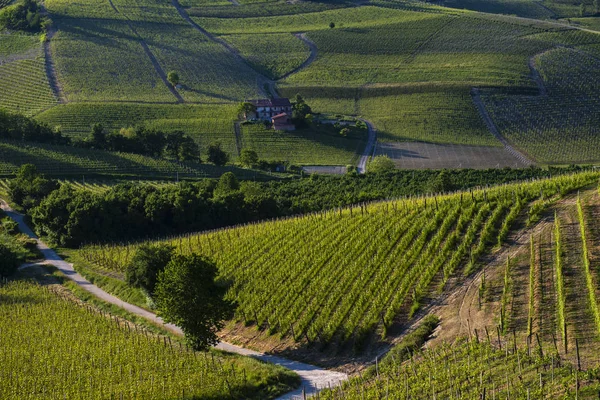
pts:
pixel 49 62
pixel 313 378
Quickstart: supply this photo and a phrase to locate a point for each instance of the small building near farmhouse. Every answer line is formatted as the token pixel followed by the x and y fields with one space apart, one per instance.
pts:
pixel 266 109
pixel 282 122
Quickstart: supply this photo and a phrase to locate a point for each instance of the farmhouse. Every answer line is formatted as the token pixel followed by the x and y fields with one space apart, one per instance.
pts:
pixel 266 109
pixel 282 122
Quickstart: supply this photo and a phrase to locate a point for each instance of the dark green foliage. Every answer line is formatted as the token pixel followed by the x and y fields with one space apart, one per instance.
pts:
pixel 216 155
pixel 19 127
pixel 188 296
pixel 147 262
pixel 138 140
pixel 181 147
pixel 299 111
pixel 249 158
pixel 70 218
pixel 441 183
pixel 23 16
pixel 29 187
pixel 173 78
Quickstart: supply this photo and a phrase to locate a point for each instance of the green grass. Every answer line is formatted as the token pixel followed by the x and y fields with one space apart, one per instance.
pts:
pixel 272 54
pixel 102 356
pixel 206 123
pixel 254 8
pixel 312 146
pixel 341 275
pixel 15 44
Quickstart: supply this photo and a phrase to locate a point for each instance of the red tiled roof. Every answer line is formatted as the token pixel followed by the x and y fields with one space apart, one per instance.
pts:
pixel 280 116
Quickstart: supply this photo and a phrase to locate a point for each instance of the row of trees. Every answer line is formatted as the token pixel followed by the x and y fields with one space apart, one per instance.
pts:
pixel 70 217
pixel 140 140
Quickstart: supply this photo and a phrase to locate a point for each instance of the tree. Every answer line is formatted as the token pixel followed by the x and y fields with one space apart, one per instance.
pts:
pixel 381 164
pixel 29 187
pixel 332 25
pixel 146 264
pixel 345 132
pixel 245 109
pixel 582 10
pixel 248 158
pixel 188 296
pixel 149 141
pixel 173 78
pixel 98 137
pixel 9 260
pixel 182 147
pixel 361 125
pixel 299 111
pixel 441 183
pixel 227 183
pixel 216 155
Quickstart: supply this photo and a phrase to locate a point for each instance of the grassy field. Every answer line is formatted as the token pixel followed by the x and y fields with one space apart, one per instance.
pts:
pixel 342 275
pixel 318 146
pixel 89 355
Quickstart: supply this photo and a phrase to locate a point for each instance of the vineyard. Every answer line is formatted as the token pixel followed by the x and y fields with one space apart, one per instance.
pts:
pixel 471 370
pixel 316 147
pixel 558 128
pixel 345 274
pixel 71 161
pixel 54 348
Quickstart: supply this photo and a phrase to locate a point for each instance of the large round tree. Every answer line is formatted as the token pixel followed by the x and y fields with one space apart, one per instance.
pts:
pixel 188 296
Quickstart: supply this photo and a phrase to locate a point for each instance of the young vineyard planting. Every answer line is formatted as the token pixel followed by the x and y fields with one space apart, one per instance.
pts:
pixel 474 370
pixel 344 274
pixel 53 348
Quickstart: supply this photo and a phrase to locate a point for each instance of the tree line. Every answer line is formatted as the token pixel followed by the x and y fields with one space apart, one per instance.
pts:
pixel 70 217
pixel 139 140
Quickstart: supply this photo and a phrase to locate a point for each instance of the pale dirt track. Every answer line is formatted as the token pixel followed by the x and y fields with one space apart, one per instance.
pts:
pixel 313 377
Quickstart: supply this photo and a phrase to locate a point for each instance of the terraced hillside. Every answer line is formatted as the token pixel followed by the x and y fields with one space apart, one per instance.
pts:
pixel 89 354
pixel 340 276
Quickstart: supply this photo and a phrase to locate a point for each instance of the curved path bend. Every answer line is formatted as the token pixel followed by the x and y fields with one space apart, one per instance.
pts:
pixel 369 148
pixel 313 378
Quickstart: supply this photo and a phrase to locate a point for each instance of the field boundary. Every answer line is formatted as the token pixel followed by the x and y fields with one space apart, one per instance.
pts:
pixel 153 60
pixel 51 74
pixel 475 94
pixel 312 57
pixel 312 378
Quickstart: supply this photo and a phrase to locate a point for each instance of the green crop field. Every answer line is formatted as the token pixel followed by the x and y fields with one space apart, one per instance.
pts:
pixel 272 54
pixel 341 275
pixel 73 161
pixel 556 128
pixel 466 370
pixel 302 147
pixel 56 348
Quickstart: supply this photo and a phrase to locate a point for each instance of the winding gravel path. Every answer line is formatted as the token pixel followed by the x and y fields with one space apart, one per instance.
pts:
pixel 313 378
pixel 362 162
